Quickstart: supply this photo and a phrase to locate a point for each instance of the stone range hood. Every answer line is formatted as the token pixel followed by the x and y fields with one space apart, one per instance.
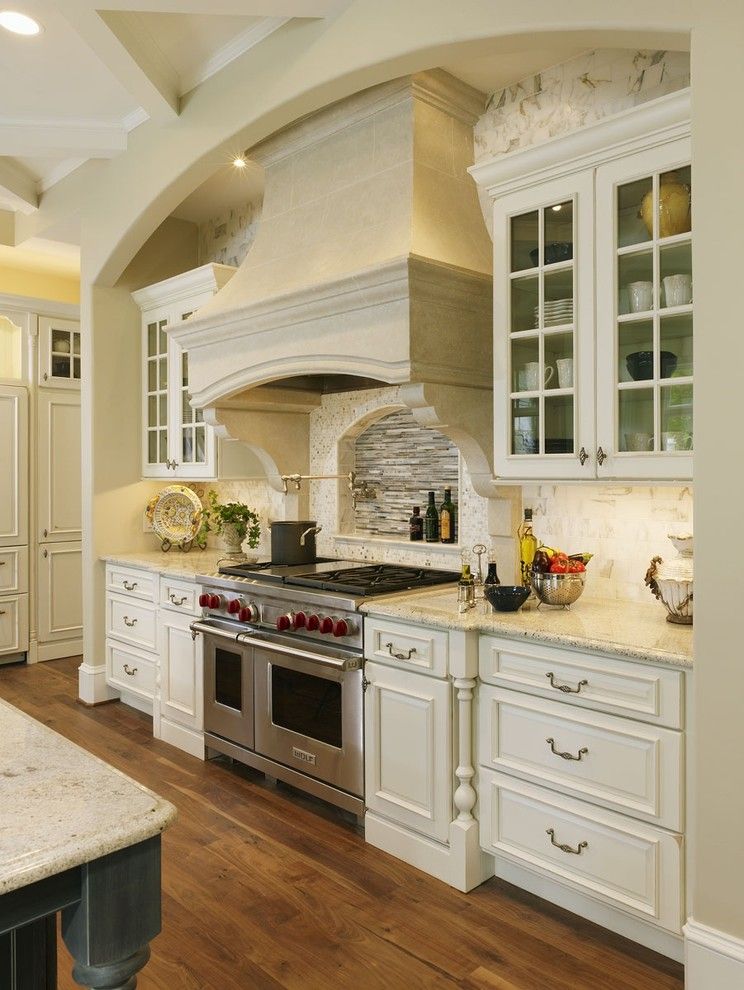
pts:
pixel 371 265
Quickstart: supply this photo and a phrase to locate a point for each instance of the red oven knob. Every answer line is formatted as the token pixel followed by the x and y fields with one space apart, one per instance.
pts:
pixel 299 620
pixel 313 623
pixel 234 606
pixel 248 613
pixel 204 601
pixel 326 625
pixel 283 623
pixel 340 627
pixel 215 601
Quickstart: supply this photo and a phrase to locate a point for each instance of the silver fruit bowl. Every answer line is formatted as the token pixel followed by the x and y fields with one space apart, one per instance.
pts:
pixel 558 589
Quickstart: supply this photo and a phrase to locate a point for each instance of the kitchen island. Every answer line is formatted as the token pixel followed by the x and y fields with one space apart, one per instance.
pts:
pixel 76 836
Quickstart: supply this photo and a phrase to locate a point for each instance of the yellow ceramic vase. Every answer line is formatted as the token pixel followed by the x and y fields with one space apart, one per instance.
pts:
pixel 674 207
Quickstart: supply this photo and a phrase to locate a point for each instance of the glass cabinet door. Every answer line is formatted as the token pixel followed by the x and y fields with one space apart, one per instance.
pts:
pixel 59 353
pixel 193 446
pixel 157 458
pixel 541 330
pixel 645 316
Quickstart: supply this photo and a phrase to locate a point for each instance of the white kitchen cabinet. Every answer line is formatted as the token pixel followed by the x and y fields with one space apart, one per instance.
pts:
pixel 59 353
pixel 408 749
pixel 592 340
pixel 176 442
pixel 13 625
pixel 60 598
pixel 181 682
pixel 14 461
pixel 59 514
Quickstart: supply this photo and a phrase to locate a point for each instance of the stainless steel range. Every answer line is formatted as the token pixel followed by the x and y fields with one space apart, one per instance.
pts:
pixel 283 658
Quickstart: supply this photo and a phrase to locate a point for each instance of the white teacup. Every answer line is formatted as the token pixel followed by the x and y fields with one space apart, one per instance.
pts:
pixel 640 296
pixel 676 440
pixel 565 372
pixel 532 375
pixel 677 290
pixel 639 441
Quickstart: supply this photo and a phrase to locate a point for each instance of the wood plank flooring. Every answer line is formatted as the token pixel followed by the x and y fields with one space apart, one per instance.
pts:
pixel 264 888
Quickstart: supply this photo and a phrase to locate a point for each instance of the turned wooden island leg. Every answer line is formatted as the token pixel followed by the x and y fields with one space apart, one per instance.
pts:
pixel 108 931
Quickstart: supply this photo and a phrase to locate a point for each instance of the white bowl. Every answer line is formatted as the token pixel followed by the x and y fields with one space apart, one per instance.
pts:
pixel 682 543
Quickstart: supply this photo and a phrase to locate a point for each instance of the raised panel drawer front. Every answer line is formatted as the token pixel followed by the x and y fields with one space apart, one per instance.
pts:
pixel 130 581
pixel 13 570
pixel 181 596
pixel 131 621
pixel 130 670
pixel 407 647
pixel 629 766
pixel 624 863
pixel 13 624
pixel 408 749
pixel 651 693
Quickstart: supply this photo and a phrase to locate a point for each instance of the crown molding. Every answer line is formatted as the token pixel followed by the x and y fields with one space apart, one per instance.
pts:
pixel 649 125
pixel 238 46
pixel 206 278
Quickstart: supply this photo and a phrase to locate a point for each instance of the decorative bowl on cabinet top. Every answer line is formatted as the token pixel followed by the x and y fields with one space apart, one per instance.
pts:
pixel 671 581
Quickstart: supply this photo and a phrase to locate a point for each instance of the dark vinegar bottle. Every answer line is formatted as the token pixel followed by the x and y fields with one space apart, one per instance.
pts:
pixel 492 576
pixel 431 521
pixel 416 524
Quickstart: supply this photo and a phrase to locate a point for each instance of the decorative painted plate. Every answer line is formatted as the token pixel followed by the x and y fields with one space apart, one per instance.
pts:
pixel 175 515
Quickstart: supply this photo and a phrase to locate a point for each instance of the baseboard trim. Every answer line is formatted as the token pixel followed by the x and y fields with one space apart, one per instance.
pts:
pixel 658 939
pixel 59 650
pixel 713 959
pixel 188 740
pixel 92 686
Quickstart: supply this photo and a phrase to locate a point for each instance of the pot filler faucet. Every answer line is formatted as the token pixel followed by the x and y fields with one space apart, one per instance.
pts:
pixel 309 532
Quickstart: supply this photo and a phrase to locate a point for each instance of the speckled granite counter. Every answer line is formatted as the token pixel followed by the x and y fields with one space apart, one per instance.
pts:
pixel 175 563
pixel 61 806
pixel 631 630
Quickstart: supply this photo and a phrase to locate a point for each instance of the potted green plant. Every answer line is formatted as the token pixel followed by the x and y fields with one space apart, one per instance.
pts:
pixel 233 522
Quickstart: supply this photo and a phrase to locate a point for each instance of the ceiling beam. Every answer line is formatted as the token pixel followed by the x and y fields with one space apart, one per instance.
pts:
pixel 7 228
pixel 17 188
pixel 60 139
pixel 130 55
pixel 244 8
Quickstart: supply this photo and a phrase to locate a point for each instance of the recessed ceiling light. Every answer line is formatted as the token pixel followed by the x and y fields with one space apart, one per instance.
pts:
pixel 239 162
pixel 18 23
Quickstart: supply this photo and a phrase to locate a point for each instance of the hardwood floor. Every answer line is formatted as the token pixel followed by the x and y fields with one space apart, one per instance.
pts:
pixel 266 889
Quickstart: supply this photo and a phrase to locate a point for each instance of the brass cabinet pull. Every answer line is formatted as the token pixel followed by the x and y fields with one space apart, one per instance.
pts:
pixel 566 756
pixel 583 456
pixel 3 563
pixel 128 586
pixel 565 688
pixel 130 671
pixel 601 456
pixel 564 847
pixel 129 622
pixel 46 533
pixel 45 552
pixel 2 611
pixel 179 601
pixel 400 656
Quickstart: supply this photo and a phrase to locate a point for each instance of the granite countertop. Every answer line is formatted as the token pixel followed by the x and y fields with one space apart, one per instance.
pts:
pixel 62 806
pixel 632 630
pixel 175 563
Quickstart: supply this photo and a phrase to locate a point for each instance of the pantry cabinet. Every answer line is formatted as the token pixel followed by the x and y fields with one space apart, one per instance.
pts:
pixel 593 361
pixel 176 442
pixel 60 600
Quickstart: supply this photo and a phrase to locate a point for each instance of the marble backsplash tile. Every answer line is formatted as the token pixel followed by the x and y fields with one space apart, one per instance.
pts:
pixel 623 526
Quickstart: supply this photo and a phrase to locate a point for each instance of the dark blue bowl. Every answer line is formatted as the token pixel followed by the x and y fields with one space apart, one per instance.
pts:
pixel 506 597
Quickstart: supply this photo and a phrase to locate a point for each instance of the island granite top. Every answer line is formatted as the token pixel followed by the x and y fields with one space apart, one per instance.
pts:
pixel 62 806
pixel 632 630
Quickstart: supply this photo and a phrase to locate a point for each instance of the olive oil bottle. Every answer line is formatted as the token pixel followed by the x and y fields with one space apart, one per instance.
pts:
pixel 527 547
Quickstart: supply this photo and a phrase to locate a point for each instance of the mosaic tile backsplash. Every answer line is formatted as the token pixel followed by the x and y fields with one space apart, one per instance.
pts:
pixel 402 461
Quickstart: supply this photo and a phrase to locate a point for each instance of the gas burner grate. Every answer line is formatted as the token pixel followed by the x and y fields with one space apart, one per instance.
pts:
pixel 370 579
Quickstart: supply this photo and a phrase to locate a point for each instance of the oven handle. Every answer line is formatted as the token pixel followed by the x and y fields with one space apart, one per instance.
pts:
pixel 337 663
pixel 208 630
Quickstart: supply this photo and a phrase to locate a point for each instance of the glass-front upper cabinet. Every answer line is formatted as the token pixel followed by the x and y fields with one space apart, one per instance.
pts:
pixel 645 315
pixel 176 442
pixel 60 358
pixel 543 324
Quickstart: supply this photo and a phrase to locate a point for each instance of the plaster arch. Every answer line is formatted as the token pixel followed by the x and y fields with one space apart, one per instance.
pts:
pixel 309 64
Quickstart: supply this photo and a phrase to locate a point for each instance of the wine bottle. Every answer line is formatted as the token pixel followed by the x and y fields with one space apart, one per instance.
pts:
pixel 431 521
pixel 447 519
pixel 527 548
pixel 416 524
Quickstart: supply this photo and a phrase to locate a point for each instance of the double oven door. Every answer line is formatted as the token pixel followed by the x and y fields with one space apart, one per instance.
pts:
pixel 294 706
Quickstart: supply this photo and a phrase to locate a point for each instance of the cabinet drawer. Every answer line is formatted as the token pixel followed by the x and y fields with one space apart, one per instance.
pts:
pixel 629 766
pixel 131 621
pixel 130 670
pixel 130 581
pixel 624 863
pixel 13 570
pixel 407 647
pixel 650 693
pixel 181 596
pixel 13 624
